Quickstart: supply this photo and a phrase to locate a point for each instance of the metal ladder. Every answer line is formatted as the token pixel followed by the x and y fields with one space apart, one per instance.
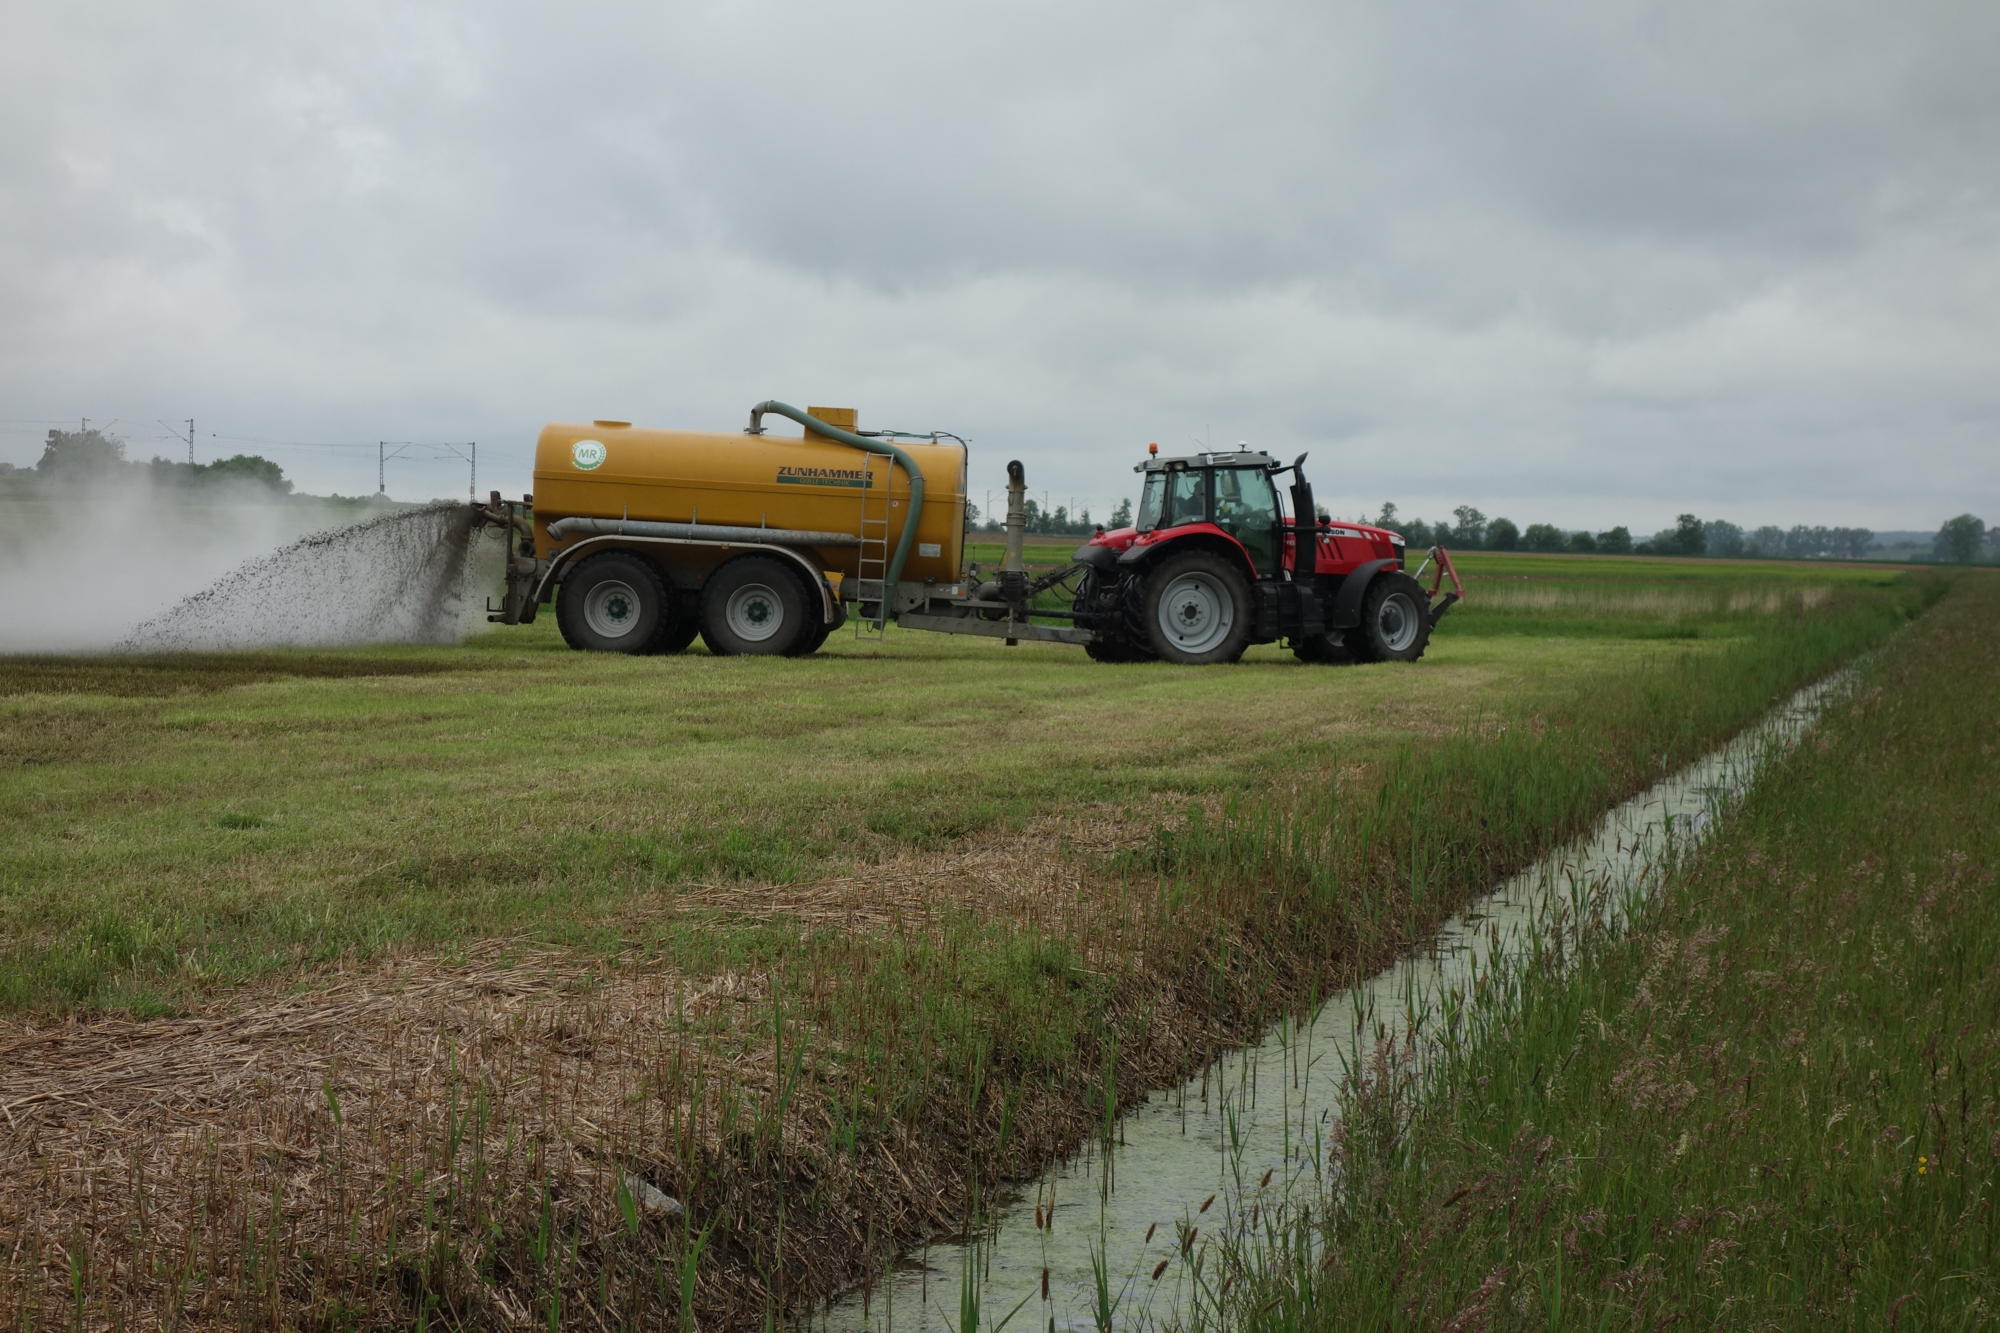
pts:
pixel 871 565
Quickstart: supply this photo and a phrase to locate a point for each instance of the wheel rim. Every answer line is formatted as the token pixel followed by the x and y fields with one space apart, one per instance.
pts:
pixel 754 612
pixel 1397 621
pixel 1196 613
pixel 611 609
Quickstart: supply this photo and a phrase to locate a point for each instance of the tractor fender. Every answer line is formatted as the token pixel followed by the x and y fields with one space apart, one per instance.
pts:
pixel 1208 539
pixel 1347 601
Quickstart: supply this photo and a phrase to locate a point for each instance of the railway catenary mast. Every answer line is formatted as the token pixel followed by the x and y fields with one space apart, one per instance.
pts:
pixel 765 544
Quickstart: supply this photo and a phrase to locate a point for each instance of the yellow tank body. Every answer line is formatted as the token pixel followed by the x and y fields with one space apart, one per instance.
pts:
pixel 802 483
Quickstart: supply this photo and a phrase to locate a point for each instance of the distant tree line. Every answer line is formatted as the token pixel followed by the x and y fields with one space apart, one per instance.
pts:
pixel 1057 521
pixel 79 457
pixel 1962 539
pixel 1965 539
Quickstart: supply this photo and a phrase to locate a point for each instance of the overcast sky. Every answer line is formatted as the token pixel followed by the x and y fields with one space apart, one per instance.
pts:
pixel 1588 263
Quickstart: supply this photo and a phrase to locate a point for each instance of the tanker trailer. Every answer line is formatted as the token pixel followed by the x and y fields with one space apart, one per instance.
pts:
pixel 764 544
pixel 759 543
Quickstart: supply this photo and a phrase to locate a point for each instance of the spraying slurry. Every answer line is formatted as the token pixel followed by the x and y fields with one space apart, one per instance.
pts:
pixel 415 576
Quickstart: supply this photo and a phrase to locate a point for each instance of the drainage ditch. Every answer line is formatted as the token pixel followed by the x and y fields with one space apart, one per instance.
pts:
pixel 1118 1239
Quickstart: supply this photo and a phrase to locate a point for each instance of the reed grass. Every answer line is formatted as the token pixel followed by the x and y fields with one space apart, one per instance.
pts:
pixel 1770 1105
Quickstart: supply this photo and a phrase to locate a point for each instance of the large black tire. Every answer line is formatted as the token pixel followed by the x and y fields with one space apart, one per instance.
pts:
pixel 1395 621
pixel 822 629
pixel 1196 609
pixel 677 628
pixel 1118 650
pixel 1100 605
pixel 1326 649
pixel 612 603
pixel 755 605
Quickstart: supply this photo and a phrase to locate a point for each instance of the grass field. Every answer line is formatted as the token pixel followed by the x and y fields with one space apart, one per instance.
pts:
pixel 1772 1105
pixel 343 987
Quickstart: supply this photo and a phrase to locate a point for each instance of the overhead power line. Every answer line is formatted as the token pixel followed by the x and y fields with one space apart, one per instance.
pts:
pixel 467 452
pixel 293 444
pixel 176 437
pixel 424 451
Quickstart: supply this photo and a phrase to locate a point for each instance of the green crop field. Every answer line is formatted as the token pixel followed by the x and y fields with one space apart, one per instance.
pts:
pixel 357 987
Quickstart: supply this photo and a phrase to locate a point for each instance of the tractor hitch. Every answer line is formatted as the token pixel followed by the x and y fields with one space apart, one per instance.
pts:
pixel 1440 605
pixel 517 604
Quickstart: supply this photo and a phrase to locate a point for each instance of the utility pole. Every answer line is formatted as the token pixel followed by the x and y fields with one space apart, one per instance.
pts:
pixel 467 453
pixel 176 434
pixel 470 454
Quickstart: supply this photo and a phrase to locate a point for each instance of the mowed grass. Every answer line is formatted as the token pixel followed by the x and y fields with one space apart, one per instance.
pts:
pixel 1202 850
pixel 170 829
pixel 176 824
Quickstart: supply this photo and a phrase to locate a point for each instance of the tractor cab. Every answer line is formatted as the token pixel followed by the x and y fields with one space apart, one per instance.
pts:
pixel 1232 493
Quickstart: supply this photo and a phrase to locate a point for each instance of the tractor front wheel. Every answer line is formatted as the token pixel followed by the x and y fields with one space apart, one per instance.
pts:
pixel 1395 621
pixel 1196 609
pixel 611 603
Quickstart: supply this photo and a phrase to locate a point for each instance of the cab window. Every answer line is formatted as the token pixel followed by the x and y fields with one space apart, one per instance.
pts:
pixel 1152 500
pixel 1246 507
pixel 1187 498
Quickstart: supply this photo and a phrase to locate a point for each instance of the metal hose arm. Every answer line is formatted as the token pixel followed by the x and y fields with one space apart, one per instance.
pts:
pixel 869 445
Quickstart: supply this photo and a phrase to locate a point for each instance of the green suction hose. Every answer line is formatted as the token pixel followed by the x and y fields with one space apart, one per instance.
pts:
pixel 871 445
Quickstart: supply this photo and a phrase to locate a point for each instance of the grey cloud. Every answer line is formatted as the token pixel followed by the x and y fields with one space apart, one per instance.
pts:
pixel 1736 256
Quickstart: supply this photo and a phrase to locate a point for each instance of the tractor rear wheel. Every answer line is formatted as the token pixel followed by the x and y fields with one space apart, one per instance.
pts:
pixel 1196 609
pixel 754 605
pixel 611 603
pixel 1326 649
pixel 1118 650
pixel 1395 621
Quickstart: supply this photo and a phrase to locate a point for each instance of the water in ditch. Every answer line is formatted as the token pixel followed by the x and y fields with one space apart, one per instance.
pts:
pixel 1102 1241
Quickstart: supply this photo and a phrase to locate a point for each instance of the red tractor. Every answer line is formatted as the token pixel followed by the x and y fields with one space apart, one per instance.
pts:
pixel 1213 565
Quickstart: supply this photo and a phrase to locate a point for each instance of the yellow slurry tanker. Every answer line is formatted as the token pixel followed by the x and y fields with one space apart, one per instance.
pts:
pixel 764 544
